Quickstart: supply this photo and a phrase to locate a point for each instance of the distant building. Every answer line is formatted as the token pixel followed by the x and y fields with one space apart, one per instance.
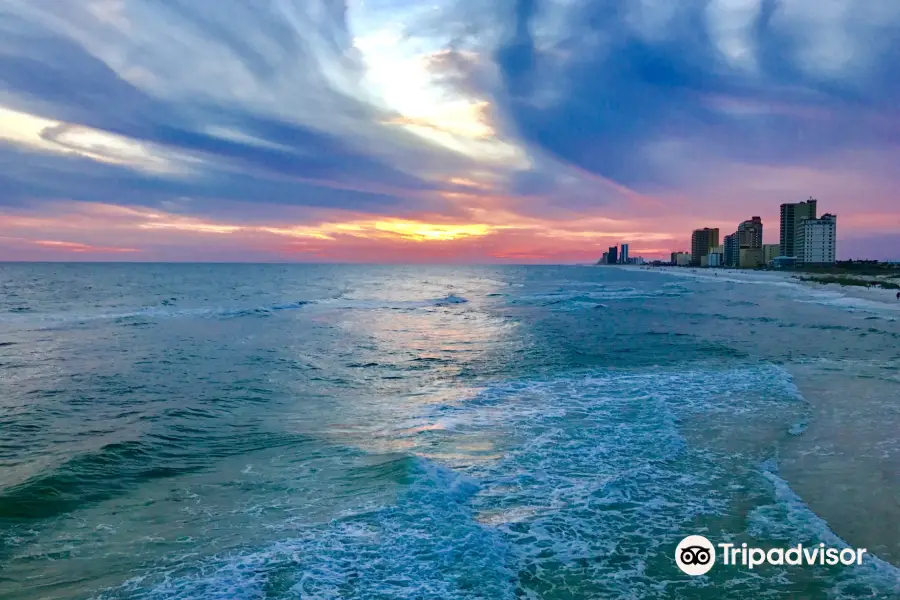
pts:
pixel 715 259
pixel 732 250
pixel 750 258
pixel 771 252
pixel 699 246
pixel 613 255
pixel 701 242
pixel 604 260
pixel 681 259
pixel 791 214
pixel 623 256
pixel 816 240
pixel 750 233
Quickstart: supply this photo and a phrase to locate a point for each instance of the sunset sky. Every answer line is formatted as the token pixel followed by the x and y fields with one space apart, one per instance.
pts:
pixel 439 130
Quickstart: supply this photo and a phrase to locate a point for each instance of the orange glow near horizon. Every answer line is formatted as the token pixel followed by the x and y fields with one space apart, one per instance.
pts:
pixel 485 235
pixel 498 234
pixel 423 232
pixel 417 231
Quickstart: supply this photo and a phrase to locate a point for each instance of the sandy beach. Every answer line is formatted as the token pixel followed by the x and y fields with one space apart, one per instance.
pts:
pixel 845 462
pixel 835 294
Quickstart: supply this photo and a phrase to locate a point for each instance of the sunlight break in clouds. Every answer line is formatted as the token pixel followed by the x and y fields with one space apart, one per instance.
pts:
pixel 535 130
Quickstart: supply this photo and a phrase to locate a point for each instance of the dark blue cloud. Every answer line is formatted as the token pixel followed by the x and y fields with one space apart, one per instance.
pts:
pixel 52 76
pixel 81 179
pixel 306 152
pixel 621 91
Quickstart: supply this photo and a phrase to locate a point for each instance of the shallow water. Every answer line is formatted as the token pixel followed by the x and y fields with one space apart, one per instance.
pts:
pixel 224 431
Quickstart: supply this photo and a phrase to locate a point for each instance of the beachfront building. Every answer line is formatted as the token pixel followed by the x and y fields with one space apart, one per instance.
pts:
pixel 750 233
pixel 715 259
pixel 750 258
pixel 681 259
pixel 771 252
pixel 731 250
pixel 791 214
pixel 743 248
pixel 702 240
pixel 750 243
pixel 604 260
pixel 623 255
pixel 816 240
pixel 612 255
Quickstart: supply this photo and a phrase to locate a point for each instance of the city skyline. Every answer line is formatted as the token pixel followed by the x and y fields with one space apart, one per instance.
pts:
pixel 391 131
pixel 805 237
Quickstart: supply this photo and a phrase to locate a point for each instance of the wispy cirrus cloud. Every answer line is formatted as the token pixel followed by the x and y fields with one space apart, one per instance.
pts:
pixel 522 130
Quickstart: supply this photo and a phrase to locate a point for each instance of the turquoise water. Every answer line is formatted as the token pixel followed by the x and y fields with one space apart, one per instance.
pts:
pixel 226 431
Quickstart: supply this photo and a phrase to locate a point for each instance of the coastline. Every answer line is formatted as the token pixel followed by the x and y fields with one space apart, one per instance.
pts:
pixel 876 294
pixel 886 297
pixel 841 460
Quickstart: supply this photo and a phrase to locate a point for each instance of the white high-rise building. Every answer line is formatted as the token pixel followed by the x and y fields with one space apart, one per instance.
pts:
pixel 815 240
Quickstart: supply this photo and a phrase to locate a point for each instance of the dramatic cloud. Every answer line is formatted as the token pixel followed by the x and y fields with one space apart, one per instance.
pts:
pixel 524 130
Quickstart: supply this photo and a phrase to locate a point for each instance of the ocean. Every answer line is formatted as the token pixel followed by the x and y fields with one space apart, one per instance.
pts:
pixel 394 432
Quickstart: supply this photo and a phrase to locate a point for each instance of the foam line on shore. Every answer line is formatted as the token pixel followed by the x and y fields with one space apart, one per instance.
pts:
pixel 864 299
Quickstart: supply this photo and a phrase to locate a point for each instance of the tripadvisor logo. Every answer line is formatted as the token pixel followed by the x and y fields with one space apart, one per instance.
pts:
pixel 696 555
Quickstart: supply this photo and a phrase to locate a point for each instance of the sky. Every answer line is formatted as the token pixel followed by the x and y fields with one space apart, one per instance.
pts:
pixel 459 131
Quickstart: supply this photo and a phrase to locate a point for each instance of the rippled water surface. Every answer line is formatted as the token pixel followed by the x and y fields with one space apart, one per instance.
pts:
pixel 224 431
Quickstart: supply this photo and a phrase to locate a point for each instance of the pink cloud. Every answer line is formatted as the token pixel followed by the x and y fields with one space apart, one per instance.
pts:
pixel 481 225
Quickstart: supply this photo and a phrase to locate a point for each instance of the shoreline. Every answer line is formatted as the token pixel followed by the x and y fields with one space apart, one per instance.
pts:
pixel 839 464
pixel 885 297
